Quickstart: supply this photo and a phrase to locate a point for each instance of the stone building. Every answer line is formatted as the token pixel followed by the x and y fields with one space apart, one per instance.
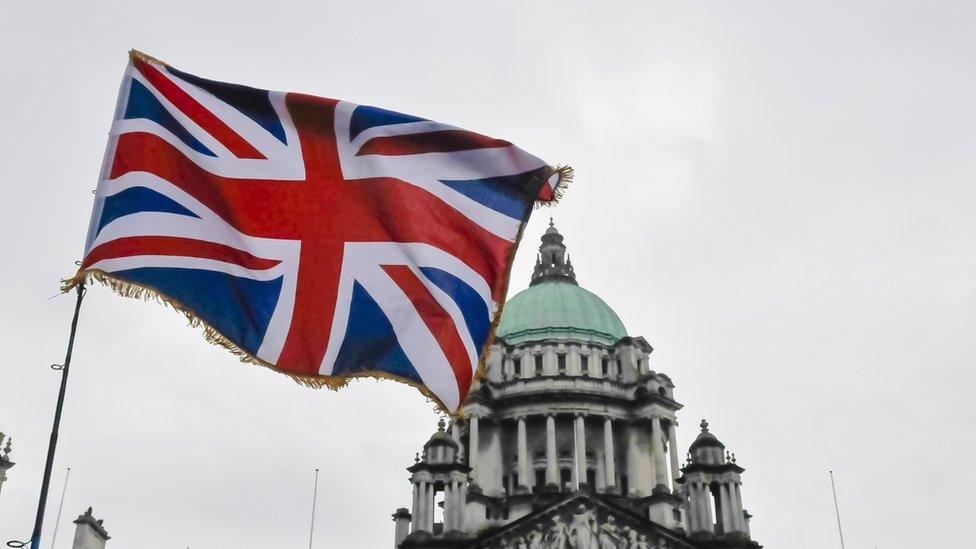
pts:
pixel 569 441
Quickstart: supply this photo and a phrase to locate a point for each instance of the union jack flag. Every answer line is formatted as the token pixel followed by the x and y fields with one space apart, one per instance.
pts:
pixel 321 238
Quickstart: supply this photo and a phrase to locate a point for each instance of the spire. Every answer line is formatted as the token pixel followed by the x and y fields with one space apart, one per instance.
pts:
pixel 552 263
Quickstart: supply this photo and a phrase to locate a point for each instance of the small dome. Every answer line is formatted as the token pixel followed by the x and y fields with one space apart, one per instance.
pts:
pixel 705 439
pixel 441 438
pixel 559 310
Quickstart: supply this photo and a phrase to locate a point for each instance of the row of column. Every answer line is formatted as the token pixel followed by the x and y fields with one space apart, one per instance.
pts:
pixel 575 364
pixel 659 466
pixel 455 499
pixel 727 497
pixel 423 507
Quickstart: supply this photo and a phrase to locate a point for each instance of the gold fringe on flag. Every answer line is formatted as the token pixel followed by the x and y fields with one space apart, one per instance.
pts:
pixel 565 174
pixel 134 290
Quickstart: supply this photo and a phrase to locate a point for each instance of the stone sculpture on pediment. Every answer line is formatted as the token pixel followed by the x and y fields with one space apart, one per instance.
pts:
pixel 535 539
pixel 583 529
pixel 609 536
pixel 558 535
pixel 631 539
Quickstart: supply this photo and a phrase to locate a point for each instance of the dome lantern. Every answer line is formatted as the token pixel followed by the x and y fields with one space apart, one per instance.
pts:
pixel 552 263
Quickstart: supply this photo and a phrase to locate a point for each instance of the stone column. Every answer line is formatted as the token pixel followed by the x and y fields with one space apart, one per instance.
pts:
pixel 673 452
pixel 552 467
pixel 657 454
pixel 633 458
pixel 448 506
pixel 724 508
pixel 523 456
pixel 430 506
pixel 691 516
pixel 738 520
pixel 415 508
pixel 573 361
pixel 706 508
pixel 610 465
pixel 580 450
pixel 461 502
pixel 473 448
pixel 549 364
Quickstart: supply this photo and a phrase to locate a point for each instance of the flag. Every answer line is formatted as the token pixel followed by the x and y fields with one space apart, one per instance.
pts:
pixel 320 238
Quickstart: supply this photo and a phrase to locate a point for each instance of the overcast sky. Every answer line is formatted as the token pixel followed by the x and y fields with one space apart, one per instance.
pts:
pixel 778 196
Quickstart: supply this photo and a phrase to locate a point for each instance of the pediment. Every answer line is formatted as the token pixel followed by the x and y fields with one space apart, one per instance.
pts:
pixel 582 521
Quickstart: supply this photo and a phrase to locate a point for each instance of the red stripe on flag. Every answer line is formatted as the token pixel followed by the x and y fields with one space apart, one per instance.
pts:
pixel 207 120
pixel 431 142
pixel 175 246
pixel 438 321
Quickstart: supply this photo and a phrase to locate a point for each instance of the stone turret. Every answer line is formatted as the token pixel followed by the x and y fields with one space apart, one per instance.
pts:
pixel 89 532
pixel 438 469
pixel 552 263
pixel 712 480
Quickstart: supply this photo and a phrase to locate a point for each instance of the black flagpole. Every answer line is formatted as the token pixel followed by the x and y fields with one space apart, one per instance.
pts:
pixel 35 542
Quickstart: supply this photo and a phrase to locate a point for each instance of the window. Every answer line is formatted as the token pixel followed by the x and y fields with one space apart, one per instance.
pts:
pixel 540 480
pixel 565 476
pixel 605 364
pixel 561 363
pixel 591 477
pixel 538 365
pixel 517 367
pixel 585 364
pixel 623 484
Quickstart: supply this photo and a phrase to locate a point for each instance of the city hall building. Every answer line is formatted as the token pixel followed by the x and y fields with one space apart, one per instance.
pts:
pixel 569 441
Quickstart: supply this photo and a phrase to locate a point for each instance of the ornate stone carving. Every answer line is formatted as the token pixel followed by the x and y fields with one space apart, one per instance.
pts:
pixel 558 535
pixel 583 529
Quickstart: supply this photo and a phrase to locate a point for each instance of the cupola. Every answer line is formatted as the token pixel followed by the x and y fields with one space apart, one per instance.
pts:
pixel 707 449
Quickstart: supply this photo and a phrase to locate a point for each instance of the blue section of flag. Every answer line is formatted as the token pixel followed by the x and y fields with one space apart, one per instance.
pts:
pixel 239 308
pixel 370 342
pixel 472 306
pixel 364 118
pixel 143 104
pixel 135 200
pixel 509 194
pixel 251 102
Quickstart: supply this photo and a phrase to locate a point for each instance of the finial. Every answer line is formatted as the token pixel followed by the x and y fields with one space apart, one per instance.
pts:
pixel 416 457
pixel 704 426
pixel 6 449
pixel 733 457
pixel 440 425
pixel 550 221
pixel 689 457
pixel 728 458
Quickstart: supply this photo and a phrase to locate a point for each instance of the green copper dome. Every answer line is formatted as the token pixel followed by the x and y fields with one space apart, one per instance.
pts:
pixel 559 310
pixel 554 306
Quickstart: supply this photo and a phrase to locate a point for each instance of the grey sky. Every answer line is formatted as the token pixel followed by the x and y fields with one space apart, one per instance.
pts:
pixel 778 196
